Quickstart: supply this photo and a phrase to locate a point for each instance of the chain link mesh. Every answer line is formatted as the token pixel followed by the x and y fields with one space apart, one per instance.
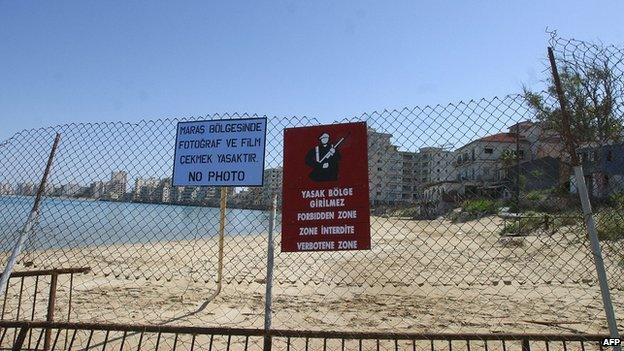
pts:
pixel 476 226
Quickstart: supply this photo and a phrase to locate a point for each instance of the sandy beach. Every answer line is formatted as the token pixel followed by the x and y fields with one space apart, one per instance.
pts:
pixel 420 276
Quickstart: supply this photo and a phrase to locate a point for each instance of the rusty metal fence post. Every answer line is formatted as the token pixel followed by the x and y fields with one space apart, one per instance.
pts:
pixel 586 205
pixel 34 213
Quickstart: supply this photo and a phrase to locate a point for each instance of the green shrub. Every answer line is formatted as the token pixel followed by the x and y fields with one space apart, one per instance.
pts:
pixel 480 206
pixel 474 209
pixel 407 212
pixel 537 195
pixel 530 222
pixel 610 225
pixel 617 200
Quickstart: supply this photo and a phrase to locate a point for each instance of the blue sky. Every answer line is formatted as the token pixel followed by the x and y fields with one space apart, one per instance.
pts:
pixel 82 61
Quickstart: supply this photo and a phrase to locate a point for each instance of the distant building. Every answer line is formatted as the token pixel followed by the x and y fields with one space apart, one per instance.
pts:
pixel 273 178
pixel 410 176
pixel 163 191
pixel 603 168
pixel 145 190
pixel 26 189
pixel 70 190
pixel 480 161
pixel 440 197
pixel 6 189
pixel 96 190
pixel 118 185
pixel 384 169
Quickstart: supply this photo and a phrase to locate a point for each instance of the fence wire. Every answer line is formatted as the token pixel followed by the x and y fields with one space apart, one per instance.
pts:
pixel 475 221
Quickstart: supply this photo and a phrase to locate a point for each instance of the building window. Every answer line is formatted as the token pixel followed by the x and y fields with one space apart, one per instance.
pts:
pixel 489 150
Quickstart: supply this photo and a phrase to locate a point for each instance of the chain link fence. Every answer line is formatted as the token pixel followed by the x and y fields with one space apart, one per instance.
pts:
pixel 476 226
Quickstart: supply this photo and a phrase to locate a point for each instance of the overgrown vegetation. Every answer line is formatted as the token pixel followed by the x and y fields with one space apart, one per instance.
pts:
pixel 534 222
pixel 474 209
pixel 411 212
pixel 610 224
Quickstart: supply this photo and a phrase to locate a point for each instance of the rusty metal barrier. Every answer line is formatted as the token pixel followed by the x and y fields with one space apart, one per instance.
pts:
pixel 87 336
pixel 39 276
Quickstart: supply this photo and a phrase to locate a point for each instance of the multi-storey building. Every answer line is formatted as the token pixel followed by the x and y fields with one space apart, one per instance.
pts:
pixel 273 178
pixel 96 189
pixel 384 169
pixel 480 161
pixel 26 189
pixel 69 190
pixel 118 185
pixel 145 190
pixel 436 165
pixel 6 189
pixel 410 176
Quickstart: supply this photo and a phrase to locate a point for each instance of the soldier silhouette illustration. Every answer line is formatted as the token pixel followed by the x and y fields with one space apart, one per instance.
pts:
pixel 323 159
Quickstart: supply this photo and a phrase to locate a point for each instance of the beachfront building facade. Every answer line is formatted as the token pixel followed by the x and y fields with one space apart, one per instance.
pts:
pixel 273 178
pixel 479 161
pixel 436 165
pixel 384 169
pixel 118 185
pixel 410 181
pixel 6 189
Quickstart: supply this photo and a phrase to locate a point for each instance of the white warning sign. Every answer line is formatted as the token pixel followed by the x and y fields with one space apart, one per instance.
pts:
pixel 223 152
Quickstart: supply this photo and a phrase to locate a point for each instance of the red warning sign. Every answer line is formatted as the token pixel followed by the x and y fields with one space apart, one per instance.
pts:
pixel 325 191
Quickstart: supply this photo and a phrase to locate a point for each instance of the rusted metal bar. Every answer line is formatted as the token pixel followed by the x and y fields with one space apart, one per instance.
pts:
pixel 303 333
pixel 51 306
pixel 32 314
pixel 140 341
pixel 71 343
pixel 19 299
pixel 105 340
pixel 39 340
pixel 157 341
pixel 58 333
pixel 4 330
pixel 69 304
pixel 6 293
pixel 123 341
pixel 58 271
pixel 19 303
pixel 17 344
pixel 89 339
pixel 525 345
pixel 193 342
pixel 175 342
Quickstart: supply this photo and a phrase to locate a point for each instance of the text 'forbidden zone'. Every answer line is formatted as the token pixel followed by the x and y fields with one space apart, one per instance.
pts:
pixel 325 191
